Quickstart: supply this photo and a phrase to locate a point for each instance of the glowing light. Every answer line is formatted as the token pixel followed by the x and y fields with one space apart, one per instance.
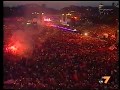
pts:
pixel 86 34
pixel 42 13
pixel 62 14
pixel 28 23
pixel 106 35
pixel 75 17
pixel 13 48
pixel 74 30
pixel 47 19
pixel 16 49
pixel 67 24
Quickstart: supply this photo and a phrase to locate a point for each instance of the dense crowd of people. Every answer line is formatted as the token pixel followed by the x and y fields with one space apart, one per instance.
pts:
pixel 62 59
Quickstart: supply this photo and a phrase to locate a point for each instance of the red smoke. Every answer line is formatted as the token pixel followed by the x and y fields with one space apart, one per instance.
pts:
pixel 19 44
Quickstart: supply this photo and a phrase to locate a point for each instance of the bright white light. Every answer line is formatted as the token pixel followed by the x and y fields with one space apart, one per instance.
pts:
pixel 28 23
pixel 47 19
pixel 75 17
pixel 42 13
pixel 86 34
pixel 67 24
pixel 74 30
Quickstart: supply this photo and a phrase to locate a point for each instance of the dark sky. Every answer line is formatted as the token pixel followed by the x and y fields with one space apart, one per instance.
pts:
pixel 58 4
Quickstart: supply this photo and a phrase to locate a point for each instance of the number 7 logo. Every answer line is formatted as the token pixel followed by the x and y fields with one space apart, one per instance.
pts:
pixel 106 78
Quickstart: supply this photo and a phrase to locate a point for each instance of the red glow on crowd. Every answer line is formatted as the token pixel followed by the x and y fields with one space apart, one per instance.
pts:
pixel 16 48
pixel 12 48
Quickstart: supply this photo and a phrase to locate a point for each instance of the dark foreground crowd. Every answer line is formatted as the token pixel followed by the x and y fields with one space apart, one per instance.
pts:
pixel 63 60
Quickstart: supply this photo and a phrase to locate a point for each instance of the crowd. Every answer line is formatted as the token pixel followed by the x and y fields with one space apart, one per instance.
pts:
pixel 61 60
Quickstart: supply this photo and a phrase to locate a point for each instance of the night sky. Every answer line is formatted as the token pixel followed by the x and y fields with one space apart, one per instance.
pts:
pixel 58 4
